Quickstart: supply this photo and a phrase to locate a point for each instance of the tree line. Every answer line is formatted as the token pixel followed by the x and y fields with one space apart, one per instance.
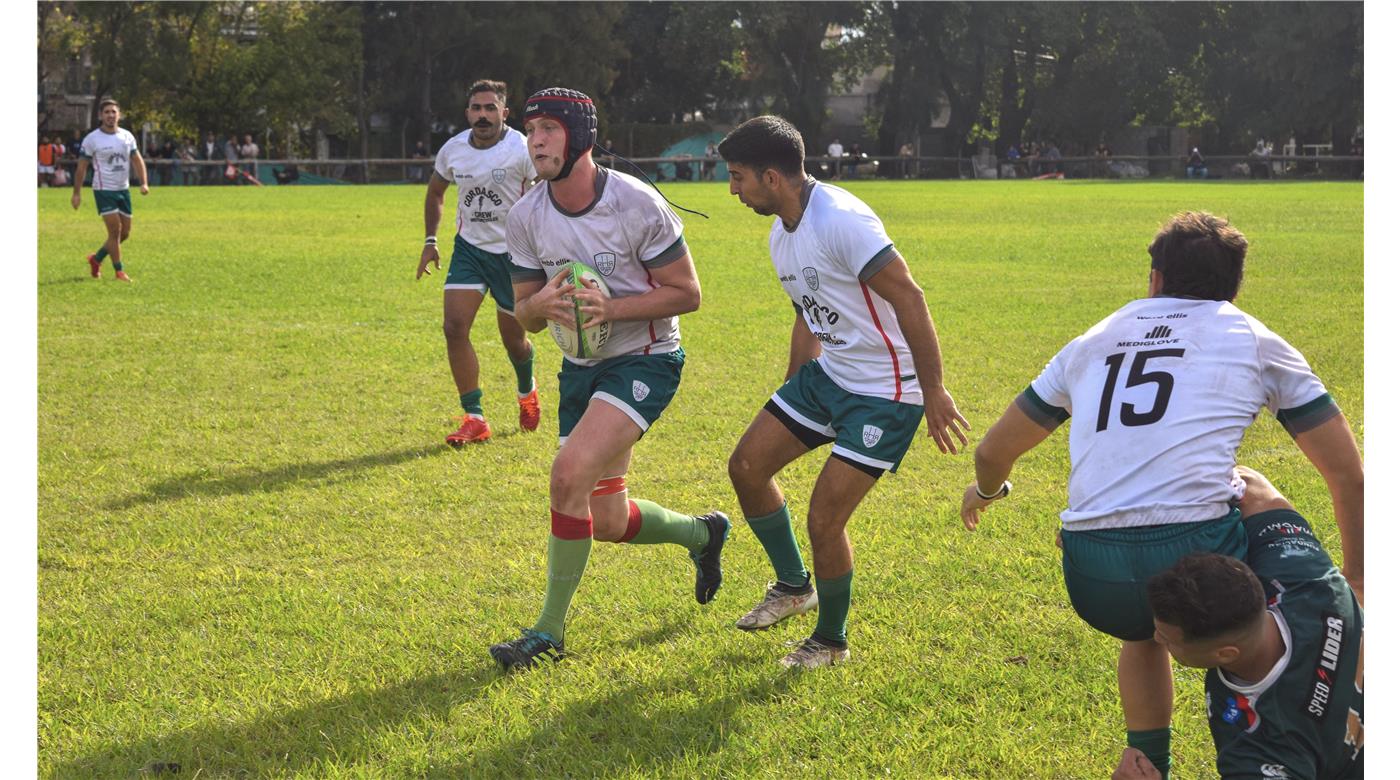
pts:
pixel 999 71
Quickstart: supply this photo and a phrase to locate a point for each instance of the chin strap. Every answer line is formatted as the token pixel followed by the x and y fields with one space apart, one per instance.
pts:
pixel 640 174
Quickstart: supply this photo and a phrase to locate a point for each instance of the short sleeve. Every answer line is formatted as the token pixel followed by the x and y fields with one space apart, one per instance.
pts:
pixel 1291 390
pixel 86 150
pixel 856 238
pixel 525 262
pixel 1281 546
pixel 440 164
pixel 131 147
pixel 661 241
pixel 1052 388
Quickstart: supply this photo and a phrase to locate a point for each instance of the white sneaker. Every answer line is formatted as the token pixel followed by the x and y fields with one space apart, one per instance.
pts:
pixel 812 654
pixel 778 605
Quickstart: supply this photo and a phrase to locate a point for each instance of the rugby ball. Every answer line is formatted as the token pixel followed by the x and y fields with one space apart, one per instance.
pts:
pixel 577 341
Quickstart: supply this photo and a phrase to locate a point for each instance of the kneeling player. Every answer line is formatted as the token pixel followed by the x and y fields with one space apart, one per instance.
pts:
pixel 623 229
pixel 1284 692
pixel 863 360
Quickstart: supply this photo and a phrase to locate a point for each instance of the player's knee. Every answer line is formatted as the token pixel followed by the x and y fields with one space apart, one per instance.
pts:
pixel 457 328
pixel 126 233
pixel 741 470
pixel 569 480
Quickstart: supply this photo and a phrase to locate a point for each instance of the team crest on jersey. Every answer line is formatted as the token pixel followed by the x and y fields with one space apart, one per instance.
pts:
pixel 605 262
pixel 639 391
pixel 498 175
pixel 810 274
pixel 871 435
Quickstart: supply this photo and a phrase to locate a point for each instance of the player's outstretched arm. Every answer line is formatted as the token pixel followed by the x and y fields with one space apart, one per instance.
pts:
pixel 895 284
pixel 138 164
pixel 678 293
pixel 432 216
pixel 803 348
pixel 1007 440
pixel 78 176
pixel 537 302
pixel 1332 450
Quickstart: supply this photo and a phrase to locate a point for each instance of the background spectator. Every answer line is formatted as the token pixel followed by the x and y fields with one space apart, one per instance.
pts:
pixel 906 160
pixel 249 152
pixel 416 173
pixel 50 155
pixel 1195 164
pixel 231 158
pixel 209 150
pixel 835 151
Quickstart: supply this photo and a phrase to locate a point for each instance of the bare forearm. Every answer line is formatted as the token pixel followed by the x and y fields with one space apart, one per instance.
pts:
pixel 524 309
pixel 918 330
pixel 1349 508
pixel 662 302
pixel 1333 452
pixel 140 168
pixel 992 471
pixel 78 177
pixel 432 213
pixel 803 348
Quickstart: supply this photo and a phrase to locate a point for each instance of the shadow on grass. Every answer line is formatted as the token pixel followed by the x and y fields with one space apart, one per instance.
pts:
pixel 245 481
pixel 642 727
pixel 67 280
pixel 632 726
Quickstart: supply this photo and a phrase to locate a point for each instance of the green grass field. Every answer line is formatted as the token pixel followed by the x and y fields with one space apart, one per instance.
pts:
pixel 257 558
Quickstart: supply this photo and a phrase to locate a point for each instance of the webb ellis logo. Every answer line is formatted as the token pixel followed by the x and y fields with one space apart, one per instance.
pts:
pixel 498 175
pixel 810 274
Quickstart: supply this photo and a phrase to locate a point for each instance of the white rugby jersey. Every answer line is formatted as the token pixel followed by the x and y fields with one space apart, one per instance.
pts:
pixel 1161 392
pixel 111 158
pixel 489 182
pixel 626 231
pixel 823 264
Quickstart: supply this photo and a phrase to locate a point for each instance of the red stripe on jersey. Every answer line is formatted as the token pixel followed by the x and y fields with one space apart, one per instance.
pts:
pixel 894 357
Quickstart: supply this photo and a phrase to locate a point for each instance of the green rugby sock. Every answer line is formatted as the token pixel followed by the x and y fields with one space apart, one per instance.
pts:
pixel 1157 745
pixel 471 402
pixel 116 264
pixel 570 540
pixel 101 253
pixel 774 532
pixel 833 604
pixel 525 373
pixel 658 525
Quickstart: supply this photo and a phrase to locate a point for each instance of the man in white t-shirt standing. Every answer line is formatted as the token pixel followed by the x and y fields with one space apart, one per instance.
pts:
pixel 491 168
pixel 838 152
pixel 1161 392
pixel 621 228
pixel 864 368
pixel 112 153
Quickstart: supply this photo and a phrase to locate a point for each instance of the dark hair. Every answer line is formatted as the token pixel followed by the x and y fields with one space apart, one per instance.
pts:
pixel 107 102
pixel 1207 595
pixel 765 142
pixel 1199 255
pixel 487 85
